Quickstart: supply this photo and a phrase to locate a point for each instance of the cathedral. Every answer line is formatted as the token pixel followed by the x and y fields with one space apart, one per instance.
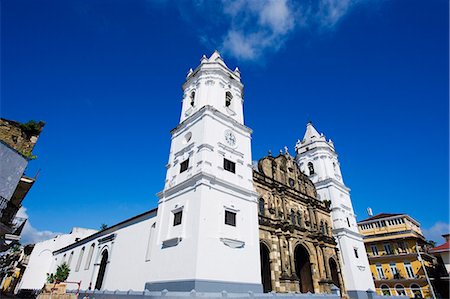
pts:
pixel 223 222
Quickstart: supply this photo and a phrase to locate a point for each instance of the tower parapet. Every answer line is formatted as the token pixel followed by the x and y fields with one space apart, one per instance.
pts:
pixel 212 83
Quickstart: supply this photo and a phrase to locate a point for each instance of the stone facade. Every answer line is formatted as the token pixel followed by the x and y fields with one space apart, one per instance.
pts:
pixel 298 252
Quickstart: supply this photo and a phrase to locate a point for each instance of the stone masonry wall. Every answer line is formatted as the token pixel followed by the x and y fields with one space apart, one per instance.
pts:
pixel 18 136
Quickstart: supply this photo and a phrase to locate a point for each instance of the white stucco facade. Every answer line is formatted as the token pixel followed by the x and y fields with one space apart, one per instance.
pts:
pixel 42 260
pixel 318 159
pixel 127 264
pixel 127 246
pixel 446 259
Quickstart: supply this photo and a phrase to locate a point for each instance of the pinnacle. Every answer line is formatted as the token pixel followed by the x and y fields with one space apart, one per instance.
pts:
pixel 215 56
pixel 311 132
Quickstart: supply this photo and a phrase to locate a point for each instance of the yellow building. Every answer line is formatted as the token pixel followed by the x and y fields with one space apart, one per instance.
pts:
pixel 397 255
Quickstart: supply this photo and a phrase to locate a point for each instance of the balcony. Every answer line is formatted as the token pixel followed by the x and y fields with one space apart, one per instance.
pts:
pixel 400 258
pixel 400 276
pixel 390 256
pixel 400 279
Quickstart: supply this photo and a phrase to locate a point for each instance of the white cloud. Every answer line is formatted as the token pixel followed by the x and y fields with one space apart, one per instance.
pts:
pixel 436 231
pixel 249 29
pixel 330 12
pixel 277 15
pixel 256 26
pixel 30 234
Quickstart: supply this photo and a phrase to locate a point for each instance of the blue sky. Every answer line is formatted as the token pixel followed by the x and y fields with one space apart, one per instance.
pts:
pixel 106 76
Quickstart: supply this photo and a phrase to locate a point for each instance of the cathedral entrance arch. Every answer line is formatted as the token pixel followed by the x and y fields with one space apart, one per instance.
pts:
pixel 334 272
pixel 265 268
pixel 102 270
pixel 303 269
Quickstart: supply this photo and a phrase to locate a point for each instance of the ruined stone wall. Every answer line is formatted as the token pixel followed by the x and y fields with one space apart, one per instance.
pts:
pixel 20 137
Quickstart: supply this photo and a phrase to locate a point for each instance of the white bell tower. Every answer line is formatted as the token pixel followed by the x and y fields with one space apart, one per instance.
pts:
pixel 318 159
pixel 206 236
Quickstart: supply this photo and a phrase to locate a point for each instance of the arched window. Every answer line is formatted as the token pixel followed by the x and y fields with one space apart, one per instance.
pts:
pixel 385 291
pixel 102 270
pixel 261 206
pixel 192 98
pixel 416 291
pixel 70 259
pixel 80 258
pixel 151 238
pixel 400 290
pixel 311 168
pixel 64 258
pixel 228 98
pixel 326 228
pixel 89 257
pixel 334 272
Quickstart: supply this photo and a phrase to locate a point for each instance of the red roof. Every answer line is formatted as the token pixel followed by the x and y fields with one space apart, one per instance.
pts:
pixel 441 248
pixel 381 215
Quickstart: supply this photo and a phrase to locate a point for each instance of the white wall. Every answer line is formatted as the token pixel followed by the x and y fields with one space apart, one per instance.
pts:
pixel 203 192
pixel 446 259
pixel 356 271
pixel 42 260
pixel 201 254
pixel 127 266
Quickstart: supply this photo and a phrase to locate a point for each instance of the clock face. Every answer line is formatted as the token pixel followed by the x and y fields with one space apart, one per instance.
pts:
pixel 230 138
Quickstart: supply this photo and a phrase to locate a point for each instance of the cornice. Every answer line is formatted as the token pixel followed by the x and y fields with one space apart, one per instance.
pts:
pixel 209 110
pixel 108 232
pixel 343 231
pixel 212 181
pixel 212 67
pixel 332 182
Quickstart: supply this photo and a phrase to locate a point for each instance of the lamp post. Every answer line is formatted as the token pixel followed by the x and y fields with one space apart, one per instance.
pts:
pixel 419 257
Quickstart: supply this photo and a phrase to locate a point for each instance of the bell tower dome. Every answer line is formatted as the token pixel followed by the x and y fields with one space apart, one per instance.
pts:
pixel 212 83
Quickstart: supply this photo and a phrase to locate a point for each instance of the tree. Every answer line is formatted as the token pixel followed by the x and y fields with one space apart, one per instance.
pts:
pixel 103 226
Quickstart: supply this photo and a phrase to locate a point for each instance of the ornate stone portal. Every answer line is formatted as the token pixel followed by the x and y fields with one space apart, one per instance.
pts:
pixel 298 252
